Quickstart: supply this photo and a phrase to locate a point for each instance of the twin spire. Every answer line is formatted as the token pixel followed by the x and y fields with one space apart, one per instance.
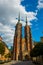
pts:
pixel 26 20
pixel 19 19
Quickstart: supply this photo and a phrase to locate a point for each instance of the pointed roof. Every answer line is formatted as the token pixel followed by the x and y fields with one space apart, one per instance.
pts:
pixel 26 20
pixel 19 18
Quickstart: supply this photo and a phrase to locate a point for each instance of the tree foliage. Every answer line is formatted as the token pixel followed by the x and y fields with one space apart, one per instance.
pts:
pixel 8 55
pixel 2 48
pixel 37 50
pixel 11 48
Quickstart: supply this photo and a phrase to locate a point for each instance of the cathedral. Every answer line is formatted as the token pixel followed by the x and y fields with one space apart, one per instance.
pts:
pixel 22 46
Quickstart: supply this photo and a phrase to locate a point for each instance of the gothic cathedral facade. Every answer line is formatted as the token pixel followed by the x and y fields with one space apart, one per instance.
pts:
pixel 21 49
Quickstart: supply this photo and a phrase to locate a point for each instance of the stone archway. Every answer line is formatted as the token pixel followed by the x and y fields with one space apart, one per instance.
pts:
pixel 26 57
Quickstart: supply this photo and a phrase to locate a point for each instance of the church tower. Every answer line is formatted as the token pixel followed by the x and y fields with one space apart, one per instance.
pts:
pixel 22 47
pixel 17 40
pixel 28 39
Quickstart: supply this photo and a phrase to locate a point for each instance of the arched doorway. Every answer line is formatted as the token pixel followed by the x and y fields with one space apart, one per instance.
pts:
pixel 18 57
pixel 26 57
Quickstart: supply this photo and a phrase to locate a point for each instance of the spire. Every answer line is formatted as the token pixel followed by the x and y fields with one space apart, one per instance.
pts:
pixel 19 18
pixel 26 20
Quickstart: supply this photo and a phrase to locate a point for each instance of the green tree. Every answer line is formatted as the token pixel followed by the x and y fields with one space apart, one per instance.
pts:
pixel 2 48
pixel 11 48
pixel 8 55
pixel 37 50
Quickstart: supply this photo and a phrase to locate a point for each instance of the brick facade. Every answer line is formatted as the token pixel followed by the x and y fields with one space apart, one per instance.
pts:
pixel 17 40
pixel 22 47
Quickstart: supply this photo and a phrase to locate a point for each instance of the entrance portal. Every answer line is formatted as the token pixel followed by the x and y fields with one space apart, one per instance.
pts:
pixel 26 57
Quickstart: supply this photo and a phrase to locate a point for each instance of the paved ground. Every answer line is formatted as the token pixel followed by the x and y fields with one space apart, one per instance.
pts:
pixel 19 63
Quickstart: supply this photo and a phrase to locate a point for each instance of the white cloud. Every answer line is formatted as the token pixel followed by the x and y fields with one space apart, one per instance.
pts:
pixel 9 10
pixel 8 33
pixel 40 4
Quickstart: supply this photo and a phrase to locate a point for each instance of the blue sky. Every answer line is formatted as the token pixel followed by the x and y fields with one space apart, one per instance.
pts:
pixel 9 10
pixel 37 25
